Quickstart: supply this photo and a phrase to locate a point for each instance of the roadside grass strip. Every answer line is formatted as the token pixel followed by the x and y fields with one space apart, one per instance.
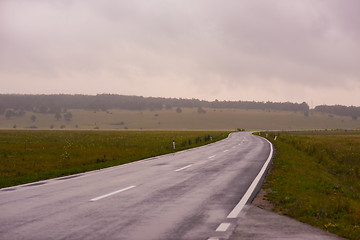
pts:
pixel 28 156
pixel 315 178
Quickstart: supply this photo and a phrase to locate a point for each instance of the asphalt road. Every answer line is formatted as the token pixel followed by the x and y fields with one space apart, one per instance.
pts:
pixel 187 195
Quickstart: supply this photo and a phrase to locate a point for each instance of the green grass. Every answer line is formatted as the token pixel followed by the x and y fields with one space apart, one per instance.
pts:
pixel 188 119
pixel 32 155
pixel 315 178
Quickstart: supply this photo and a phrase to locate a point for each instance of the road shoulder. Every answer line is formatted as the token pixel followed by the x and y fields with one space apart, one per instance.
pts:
pixel 258 222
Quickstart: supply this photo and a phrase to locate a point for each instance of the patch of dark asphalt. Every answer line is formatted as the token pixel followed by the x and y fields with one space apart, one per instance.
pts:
pixel 35 184
pixel 8 189
pixel 70 177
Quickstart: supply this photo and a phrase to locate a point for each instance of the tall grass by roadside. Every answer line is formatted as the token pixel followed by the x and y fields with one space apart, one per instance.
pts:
pixel 315 178
pixel 27 156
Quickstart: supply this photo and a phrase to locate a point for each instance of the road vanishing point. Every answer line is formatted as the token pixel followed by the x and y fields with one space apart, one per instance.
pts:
pixel 193 194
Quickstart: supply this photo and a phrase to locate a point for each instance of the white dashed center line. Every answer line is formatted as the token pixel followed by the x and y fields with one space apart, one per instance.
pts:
pixel 177 170
pixel 211 156
pixel 223 227
pixel 110 194
pixel 225 150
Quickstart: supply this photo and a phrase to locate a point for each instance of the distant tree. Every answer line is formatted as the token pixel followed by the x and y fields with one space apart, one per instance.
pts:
pixel 57 116
pixel 43 109
pixel 178 110
pixel 201 110
pixel 21 113
pixel 33 118
pixel 2 109
pixel 9 114
pixel 68 116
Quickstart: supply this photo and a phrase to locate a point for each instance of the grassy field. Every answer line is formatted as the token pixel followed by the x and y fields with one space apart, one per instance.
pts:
pixel 315 178
pixel 189 118
pixel 31 155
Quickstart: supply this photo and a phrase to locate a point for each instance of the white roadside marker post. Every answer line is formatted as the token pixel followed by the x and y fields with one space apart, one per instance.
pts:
pixel 174 144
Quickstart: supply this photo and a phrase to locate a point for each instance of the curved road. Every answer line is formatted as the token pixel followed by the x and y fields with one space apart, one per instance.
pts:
pixel 186 195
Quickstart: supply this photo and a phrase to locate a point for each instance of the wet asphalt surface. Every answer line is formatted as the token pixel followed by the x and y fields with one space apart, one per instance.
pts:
pixel 186 195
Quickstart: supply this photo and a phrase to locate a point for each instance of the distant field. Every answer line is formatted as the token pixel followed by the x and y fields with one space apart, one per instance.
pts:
pixel 315 178
pixel 27 156
pixel 189 118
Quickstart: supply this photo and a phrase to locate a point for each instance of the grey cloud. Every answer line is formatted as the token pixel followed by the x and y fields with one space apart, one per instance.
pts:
pixel 216 48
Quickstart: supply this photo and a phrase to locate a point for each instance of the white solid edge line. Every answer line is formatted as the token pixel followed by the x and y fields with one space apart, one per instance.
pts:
pixel 177 170
pixel 223 227
pixel 110 194
pixel 235 212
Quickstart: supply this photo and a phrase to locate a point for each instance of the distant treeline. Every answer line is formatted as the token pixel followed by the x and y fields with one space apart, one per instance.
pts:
pixel 351 111
pixel 62 102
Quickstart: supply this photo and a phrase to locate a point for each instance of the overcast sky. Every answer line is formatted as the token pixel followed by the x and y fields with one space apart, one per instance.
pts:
pixel 280 50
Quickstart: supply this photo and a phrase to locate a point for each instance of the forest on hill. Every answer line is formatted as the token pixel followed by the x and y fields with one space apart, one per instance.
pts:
pixel 15 104
pixel 339 110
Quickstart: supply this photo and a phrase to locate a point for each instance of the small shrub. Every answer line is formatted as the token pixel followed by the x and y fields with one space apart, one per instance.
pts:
pixel 201 110
pixel 178 110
